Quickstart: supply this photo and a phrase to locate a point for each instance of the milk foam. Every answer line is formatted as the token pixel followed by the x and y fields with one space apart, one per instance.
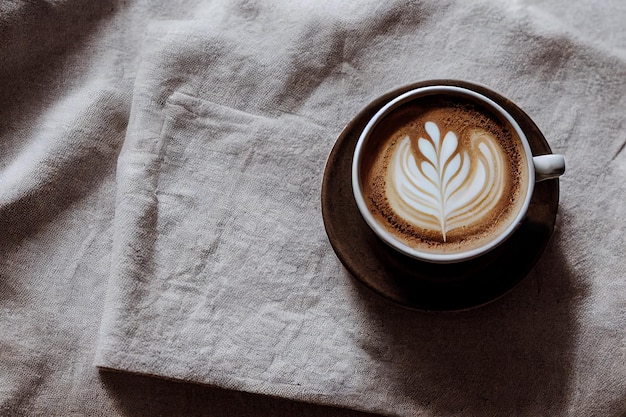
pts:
pixel 444 174
pixel 440 185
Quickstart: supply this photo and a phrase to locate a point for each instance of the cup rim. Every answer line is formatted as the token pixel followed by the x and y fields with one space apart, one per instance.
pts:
pixel 395 243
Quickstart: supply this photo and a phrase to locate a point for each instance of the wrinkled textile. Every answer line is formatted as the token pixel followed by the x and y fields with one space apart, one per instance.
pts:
pixel 160 179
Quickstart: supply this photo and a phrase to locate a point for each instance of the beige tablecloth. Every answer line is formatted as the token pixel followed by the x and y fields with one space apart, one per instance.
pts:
pixel 160 176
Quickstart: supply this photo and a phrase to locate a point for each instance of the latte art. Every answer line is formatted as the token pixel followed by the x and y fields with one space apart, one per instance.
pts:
pixel 444 175
pixel 440 186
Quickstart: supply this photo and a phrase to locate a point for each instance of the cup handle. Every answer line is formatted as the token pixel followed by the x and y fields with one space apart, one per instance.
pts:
pixel 548 166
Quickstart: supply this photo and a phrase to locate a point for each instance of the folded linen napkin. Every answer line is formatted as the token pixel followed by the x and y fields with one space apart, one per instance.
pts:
pixel 221 271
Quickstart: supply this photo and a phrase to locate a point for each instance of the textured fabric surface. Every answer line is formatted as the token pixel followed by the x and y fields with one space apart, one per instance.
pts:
pixel 160 176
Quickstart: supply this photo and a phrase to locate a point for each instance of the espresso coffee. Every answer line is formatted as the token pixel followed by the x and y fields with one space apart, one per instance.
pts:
pixel 444 173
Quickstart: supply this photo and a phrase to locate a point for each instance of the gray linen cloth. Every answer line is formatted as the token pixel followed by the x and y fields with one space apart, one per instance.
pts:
pixel 221 270
pixel 199 254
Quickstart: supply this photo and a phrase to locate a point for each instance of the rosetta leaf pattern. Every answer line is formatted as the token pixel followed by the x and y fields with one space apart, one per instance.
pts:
pixel 440 186
pixel 436 167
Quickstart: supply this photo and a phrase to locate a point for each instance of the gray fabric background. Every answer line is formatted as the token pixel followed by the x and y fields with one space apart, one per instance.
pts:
pixel 160 171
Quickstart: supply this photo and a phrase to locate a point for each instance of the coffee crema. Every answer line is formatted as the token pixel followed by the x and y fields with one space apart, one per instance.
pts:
pixel 444 174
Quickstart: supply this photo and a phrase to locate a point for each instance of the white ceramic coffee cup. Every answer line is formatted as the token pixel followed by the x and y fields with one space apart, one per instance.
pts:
pixel 539 168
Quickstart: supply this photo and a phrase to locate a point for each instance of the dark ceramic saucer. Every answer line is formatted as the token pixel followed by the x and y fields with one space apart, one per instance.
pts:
pixel 422 285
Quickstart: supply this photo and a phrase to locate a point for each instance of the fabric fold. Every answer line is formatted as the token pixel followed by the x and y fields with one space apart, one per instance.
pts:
pixel 221 272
